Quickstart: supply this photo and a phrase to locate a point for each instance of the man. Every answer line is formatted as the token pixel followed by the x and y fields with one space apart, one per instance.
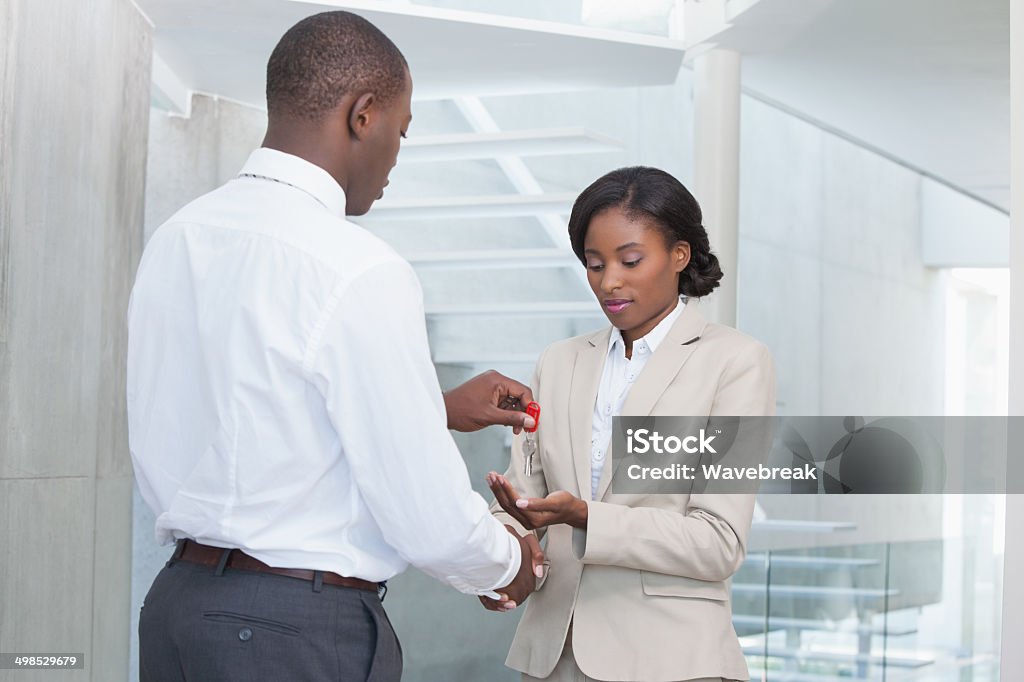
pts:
pixel 286 423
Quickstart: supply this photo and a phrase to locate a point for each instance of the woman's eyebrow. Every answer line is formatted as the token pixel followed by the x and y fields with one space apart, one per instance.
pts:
pixel 630 245
pixel 627 246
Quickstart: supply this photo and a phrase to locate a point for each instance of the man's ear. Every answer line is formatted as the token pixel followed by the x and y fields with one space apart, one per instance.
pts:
pixel 362 114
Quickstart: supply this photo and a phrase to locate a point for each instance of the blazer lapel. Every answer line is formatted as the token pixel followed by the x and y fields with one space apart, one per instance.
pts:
pixel 586 378
pixel 660 371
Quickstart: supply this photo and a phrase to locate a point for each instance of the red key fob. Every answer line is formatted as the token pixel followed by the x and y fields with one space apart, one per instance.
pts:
pixel 533 409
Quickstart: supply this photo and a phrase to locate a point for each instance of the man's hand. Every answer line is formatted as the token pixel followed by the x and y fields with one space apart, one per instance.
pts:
pixel 558 507
pixel 487 399
pixel 531 567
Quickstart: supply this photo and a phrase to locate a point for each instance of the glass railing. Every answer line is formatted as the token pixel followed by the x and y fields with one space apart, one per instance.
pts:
pixel 915 610
pixel 649 17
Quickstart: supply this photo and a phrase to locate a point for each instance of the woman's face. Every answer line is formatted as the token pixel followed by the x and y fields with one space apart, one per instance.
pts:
pixel 634 275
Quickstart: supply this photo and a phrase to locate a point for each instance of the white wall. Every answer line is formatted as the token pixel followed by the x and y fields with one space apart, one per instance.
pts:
pixel 832 279
pixel 831 273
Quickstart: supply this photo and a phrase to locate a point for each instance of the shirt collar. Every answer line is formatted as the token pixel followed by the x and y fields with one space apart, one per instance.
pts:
pixel 299 173
pixel 654 337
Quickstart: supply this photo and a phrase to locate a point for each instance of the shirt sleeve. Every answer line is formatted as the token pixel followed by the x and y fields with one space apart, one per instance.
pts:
pixel 371 362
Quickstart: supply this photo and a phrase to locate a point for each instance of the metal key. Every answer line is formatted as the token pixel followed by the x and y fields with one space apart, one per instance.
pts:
pixel 529 450
pixel 530 442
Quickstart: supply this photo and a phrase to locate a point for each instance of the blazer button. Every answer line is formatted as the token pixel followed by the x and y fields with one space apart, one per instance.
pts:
pixel 245 634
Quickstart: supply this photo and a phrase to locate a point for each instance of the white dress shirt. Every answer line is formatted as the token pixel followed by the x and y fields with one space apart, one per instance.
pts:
pixel 616 379
pixel 281 395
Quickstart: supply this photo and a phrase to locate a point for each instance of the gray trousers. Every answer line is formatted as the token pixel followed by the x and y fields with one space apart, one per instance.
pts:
pixel 198 626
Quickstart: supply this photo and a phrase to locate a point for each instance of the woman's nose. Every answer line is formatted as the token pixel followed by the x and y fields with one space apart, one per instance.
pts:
pixel 611 282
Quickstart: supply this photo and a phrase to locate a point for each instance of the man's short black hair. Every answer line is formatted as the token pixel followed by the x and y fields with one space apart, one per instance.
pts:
pixel 327 56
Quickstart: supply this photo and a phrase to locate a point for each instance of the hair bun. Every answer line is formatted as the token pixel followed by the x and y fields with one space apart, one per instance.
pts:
pixel 703 273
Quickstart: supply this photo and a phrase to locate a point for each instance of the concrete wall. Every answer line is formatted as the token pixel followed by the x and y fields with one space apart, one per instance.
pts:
pixel 831 272
pixel 191 156
pixel 831 278
pixel 74 98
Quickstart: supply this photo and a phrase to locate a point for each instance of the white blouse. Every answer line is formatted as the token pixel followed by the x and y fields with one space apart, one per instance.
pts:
pixel 616 379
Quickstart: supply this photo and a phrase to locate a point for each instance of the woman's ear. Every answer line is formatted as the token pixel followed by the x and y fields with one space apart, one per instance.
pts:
pixel 362 115
pixel 680 256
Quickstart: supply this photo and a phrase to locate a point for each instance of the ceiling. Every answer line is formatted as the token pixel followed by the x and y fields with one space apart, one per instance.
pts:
pixel 924 82
pixel 221 47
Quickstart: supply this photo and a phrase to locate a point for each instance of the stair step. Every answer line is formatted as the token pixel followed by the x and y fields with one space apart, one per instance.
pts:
pixel 493 259
pixel 542 142
pixel 787 676
pixel 838 657
pixel 483 206
pixel 584 309
pixel 813 591
pixel 797 526
pixel 812 561
pixel 489 359
pixel 220 49
pixel 794 676
pixel 777 623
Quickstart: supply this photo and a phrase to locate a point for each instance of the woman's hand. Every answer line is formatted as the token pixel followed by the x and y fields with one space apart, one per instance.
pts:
pixel 558 507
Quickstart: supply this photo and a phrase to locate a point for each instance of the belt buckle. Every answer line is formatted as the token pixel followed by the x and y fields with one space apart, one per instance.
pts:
pixel 382 589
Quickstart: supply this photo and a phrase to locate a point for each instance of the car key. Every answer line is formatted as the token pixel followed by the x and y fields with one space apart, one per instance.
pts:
pixel 530 442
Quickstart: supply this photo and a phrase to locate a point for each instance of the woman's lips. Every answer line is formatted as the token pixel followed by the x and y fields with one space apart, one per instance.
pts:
pixel 617 305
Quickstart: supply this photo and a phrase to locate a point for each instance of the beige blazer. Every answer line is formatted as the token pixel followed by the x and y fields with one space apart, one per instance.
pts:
pixel 646 586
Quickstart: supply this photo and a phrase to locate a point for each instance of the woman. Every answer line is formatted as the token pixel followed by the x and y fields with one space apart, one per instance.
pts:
pixel 637 587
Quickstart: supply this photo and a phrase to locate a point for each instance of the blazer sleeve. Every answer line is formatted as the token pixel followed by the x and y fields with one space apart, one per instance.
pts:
pixel 533 486
pixel 708 541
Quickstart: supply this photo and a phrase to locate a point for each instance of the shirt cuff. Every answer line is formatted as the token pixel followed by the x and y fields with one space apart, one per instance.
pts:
pixel 515 561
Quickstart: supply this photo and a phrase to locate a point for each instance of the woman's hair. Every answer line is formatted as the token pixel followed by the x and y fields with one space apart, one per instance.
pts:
pixel 644 191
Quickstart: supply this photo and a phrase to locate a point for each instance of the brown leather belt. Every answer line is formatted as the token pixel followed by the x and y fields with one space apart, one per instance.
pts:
pixel 196 553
